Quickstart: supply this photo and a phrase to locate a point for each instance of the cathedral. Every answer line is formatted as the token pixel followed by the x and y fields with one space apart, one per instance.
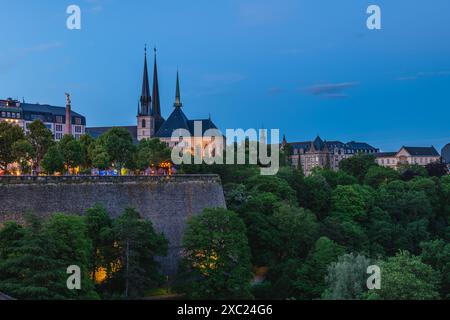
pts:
pixel 150 121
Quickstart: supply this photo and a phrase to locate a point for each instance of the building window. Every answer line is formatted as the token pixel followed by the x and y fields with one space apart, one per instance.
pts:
pixel 59 127
pixel 59 119
pixel 143 123
pixel 78 129
pixel 58 136
pixel 78 121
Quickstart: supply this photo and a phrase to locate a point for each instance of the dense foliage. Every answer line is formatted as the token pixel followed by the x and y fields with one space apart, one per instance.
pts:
pixel 217 256
pixel 117 258
pixel 315 236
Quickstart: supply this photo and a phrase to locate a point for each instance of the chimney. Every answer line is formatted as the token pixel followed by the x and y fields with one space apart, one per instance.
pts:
pixel 68 130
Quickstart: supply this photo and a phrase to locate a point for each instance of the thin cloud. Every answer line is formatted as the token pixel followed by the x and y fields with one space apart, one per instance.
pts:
pixel 331 90
pixel 275 91
pixel 335 95
pixel 42 47
pixel 429 74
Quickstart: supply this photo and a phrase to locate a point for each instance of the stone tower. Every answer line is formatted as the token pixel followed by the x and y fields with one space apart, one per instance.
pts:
pixel 145 118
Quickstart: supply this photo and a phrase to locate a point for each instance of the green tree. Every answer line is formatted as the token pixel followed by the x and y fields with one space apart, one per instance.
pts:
pixel 70 245
pixel 118 145
pixel 445 205
pixel 406 277
pixel 9 135
pixel 53 160
pixel 315 194
pixel 410 171
pixel 382 232
pixel 377 175
pixel 99 156
pixel 99 230
pixel 298 229
pixel 411 212
pixel 34 259
pixel 293 176
pixel 346 278
pixel 271 184
pixel 358 165
pixel 71 151
pixel 23 152
pixel 263 235
pixel 236 195
pixel 152 152
pixel 310 280
pixel 437 169
pixel 403 203
pixel 26 268
pixel 137 245
pixel 436 253
pixel 352 202
pixel 41 139
pixel 346 232
pixel 85 143
pixel 218 256
pixel 336 178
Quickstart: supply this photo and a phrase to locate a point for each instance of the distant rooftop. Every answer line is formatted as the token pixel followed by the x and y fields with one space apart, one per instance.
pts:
pixel 319 144
pixel 422 151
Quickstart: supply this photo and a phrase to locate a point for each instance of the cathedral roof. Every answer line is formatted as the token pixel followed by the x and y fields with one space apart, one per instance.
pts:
pixel 177 120
pixel 207 124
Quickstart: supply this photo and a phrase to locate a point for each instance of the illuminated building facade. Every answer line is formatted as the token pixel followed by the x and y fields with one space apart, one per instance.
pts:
pixel 54 118
pixel 421 156
pixel 324 154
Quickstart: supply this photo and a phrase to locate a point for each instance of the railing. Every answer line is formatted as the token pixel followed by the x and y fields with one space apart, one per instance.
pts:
pixel 4 180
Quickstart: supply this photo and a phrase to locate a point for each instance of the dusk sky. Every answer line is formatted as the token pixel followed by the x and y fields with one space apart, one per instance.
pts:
pixel 305 67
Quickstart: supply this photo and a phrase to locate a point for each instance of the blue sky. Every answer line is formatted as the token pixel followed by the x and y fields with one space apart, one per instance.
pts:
pixel 305 67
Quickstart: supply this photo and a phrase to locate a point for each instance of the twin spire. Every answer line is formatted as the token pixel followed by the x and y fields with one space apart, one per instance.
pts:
pixel 147 105
pixel 146 98
pixel 178 103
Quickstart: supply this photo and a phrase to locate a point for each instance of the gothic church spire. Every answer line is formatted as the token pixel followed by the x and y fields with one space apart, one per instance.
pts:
pixel 178 103
pixel 146 99
pixel 156 107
